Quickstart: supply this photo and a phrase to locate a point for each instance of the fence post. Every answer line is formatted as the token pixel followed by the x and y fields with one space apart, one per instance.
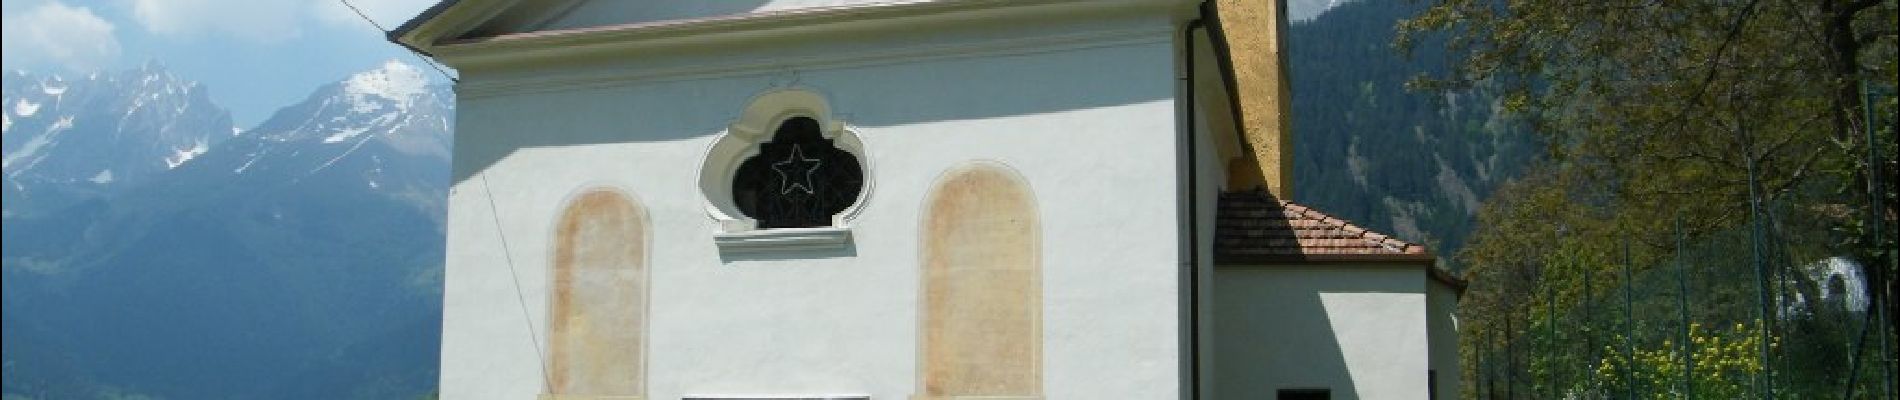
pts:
pixel 1881 262
pixel 1589 330
pixel 1629 325
pixel 1765 379
pixel 1781 264
pixel 1550 335
pixel 1682 309
pixel 1510 357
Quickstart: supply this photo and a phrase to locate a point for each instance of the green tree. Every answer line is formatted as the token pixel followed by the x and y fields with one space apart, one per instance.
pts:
pixel 1733 118
pixel 1667 107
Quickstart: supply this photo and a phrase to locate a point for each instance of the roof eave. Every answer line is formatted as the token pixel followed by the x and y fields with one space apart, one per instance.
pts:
pixel 446 19
pixel 546 45
pixel 1448 278
pixel 430 13
pixel 1420 259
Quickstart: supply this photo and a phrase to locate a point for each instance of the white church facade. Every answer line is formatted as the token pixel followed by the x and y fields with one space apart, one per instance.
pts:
pixel 928 199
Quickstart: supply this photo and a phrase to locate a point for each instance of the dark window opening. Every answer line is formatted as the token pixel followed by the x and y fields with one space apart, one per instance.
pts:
pixel 800 179
pixel 1306 394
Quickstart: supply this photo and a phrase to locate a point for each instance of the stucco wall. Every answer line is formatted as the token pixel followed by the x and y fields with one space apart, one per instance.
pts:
pixel 1087 121
pixel 1442 307
pixel 1212 132
pixel 1357 330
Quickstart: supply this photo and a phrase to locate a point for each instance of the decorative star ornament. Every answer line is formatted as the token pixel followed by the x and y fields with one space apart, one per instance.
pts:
pixel 796 163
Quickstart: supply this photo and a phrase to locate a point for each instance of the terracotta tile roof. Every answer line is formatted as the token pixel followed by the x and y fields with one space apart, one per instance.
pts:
pixel 1251 225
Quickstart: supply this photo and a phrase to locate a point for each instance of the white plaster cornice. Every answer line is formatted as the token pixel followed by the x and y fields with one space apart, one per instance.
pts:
pixel 617 77
pixel 639 39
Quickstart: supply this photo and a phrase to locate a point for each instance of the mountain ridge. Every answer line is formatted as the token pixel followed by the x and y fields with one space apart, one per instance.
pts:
pixel 263 259
pixel 57 131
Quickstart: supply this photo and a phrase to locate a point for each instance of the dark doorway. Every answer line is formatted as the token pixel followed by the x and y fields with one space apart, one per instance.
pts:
pixel 1306 394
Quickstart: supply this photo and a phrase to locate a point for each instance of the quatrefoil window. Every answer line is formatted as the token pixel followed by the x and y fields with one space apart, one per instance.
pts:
pixel 799 179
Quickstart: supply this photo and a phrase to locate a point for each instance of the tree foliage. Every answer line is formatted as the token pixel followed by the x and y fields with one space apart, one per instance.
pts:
pixel 1744 122
pixel 1654 108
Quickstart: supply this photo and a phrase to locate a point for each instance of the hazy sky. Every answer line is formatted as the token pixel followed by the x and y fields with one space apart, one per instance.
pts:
pixel 254 55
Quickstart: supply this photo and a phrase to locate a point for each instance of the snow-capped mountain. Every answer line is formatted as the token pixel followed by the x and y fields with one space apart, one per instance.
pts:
pixel 63 135
pixel 300 259
pixel 384 130
pixel 393 104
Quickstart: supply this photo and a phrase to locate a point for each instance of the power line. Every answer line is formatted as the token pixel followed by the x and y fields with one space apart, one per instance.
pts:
pixel 379 28
pixel 494 214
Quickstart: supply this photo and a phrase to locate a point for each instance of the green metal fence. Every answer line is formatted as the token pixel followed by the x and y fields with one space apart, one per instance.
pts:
pixel 1784 304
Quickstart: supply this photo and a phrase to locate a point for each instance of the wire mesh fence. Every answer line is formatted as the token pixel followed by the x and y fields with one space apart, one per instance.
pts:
pixel 1779 307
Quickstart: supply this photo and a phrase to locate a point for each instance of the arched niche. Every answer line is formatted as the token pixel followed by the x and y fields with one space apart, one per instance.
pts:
pixel 756 124
pixel 981 291
pixel 597 298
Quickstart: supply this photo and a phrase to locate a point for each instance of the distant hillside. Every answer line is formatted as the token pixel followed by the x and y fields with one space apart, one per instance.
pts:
pixel 1415 165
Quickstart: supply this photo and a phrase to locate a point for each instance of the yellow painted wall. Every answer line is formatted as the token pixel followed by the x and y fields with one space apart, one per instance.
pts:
pixel 1252 30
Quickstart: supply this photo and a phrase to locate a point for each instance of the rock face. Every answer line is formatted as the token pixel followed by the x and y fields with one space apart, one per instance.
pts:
pixel 152 249
pixel 67 137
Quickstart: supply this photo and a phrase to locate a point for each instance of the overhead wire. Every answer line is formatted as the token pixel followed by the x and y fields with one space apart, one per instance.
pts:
pixel 379 28
pixel 494 214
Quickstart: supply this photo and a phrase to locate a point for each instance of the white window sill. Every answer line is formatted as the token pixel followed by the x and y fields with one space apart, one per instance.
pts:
pixel 782 239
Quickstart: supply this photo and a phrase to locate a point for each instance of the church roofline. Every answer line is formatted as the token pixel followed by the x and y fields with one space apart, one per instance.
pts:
pixel 413 22
pixel 774 17
pixel 444 19
pixel 444 37
pixel 444 24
